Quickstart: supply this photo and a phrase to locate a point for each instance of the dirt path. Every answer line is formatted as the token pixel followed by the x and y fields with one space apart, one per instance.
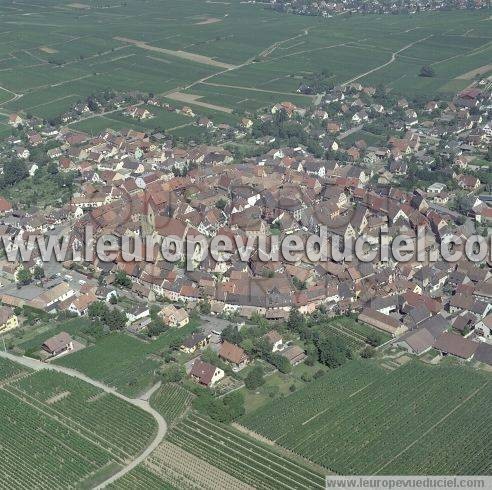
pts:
pixel 198 58
pixel 195 99
pixel 469 397
pixel 142 404
pixel 253 89
pixel 391 60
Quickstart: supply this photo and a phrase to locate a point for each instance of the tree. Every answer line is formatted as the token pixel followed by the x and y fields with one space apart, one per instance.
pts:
pixel 374 339
pixel 367 352
pixel 14 171
pixel 221 203
pixel 332 352
pixel 281 363
pixel 24 276
pixel 122 279
pixel 173 374
pixel 38 272
pixel 296 320
pixel 427 71
pixel 232 334
pixel 254 379
pixel 97 310
pixel 205 307
pixel 115 319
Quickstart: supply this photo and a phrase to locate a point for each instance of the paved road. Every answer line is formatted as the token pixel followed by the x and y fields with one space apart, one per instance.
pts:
pixel 140 403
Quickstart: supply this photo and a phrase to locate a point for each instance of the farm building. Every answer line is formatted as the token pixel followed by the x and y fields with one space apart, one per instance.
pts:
pixel 455 345
pixel 205 374
pixel 58 344
pixel 294 354
pixel 382 322
pixel 417 342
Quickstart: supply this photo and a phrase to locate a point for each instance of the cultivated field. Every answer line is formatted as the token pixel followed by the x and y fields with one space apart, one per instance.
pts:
pixel 59 432
pixel 172 467
pixel 122 361
pixel 171 401
pixel 237 454
pixel 360 419
pixel 233 54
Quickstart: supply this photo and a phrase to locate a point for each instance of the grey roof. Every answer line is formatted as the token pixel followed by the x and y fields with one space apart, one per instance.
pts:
pixel 418 340
pixel 484 353
pixel 436 325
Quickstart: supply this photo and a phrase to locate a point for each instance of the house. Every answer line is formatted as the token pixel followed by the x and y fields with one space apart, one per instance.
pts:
pixel 294 354
pixel 138 312
pixel 455 345
pixel 275 339
pixel 58 344
pixel 194 342
pixel 81 305
pixel 205 373
pixel 468 182
pixel 436 188
pixel 382 322
pixel 15 120
pixel 174 317
pixel 483 328
pixel 5 206
pixel 233 354
pixel 8 319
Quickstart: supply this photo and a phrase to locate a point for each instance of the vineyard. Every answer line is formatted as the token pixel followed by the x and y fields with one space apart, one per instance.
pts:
pixel 354 334
pixel 171 401
pixel 235 453
pixel 172 467
pixel 361 420
pixel 123 361
pixel 59 432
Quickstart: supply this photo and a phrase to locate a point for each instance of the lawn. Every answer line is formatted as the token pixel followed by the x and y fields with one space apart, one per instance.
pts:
pixel 351 420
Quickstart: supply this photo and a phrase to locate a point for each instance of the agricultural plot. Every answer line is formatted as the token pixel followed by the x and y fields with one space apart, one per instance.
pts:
pixel 123 361
pixel 171 401
pixel 60 432
pixel 248 460
pixel 172 467
pixel 360 420
pixel 52 55
pixel 354 334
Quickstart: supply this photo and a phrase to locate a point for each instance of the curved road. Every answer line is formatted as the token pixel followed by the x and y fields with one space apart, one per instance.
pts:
pixel 140 403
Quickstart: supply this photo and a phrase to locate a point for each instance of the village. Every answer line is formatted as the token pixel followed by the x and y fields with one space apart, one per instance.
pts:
pixel 359 162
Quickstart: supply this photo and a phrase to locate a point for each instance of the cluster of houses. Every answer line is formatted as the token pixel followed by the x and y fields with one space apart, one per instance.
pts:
pixel 325 8
pixel 208 375
pixel 134 184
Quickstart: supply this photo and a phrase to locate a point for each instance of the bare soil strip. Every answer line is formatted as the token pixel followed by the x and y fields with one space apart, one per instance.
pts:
pixel 197 58
pixel 210 20
pixel 195 99
pixel 478 71
pixel 253 89
pixel 57 398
